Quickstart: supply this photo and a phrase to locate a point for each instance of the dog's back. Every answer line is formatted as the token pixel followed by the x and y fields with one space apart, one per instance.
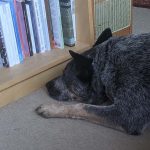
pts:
pixel 122 66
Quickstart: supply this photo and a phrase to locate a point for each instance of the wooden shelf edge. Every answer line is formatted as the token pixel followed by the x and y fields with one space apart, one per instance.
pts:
pixel 124 31
pixel 29 85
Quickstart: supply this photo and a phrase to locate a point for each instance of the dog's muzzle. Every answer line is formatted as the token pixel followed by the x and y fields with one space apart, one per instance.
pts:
pixel 58 90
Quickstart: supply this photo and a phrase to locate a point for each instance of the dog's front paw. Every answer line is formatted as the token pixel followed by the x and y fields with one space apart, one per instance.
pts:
pixel 42 110
pixel 51 110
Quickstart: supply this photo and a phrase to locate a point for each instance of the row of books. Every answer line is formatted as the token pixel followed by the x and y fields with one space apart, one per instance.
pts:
pixel 28 27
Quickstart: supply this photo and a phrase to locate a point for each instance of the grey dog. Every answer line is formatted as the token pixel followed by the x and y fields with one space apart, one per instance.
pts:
pixel 115 71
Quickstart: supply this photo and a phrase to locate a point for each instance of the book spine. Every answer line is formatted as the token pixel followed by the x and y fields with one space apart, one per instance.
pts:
pixel 12 32
pixel 1 63
pixel 3 54
pixel 67 22
pixel 49 23
pixel 34 24
pixel 1 49
pixel 39 25
pixel 45 26
pixel 21 28
pixel 6 35
pixel 30 28
pixel 11 3
pixel 56 23
pixel 27 28
pixel 74 19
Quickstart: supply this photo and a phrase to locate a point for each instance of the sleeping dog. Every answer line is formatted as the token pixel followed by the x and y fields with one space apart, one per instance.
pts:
pixel 111 83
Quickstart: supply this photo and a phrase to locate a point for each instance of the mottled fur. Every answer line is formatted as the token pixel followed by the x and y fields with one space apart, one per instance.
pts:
pixel 114 70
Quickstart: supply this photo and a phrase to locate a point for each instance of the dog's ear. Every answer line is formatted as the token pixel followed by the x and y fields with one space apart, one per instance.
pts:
pixel 83 66
pixel 80 59
pixel 105 35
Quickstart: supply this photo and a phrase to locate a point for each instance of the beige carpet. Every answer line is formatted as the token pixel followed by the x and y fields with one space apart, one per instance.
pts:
pixel 22 129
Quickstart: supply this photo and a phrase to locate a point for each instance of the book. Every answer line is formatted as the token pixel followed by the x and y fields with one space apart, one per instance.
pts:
pixel 27 27
pixel 30 27
pixel 37 25
pixel 74 19
pixel 1 49
pixel 67 22
pixel 8 32
pixel 3 55
pixel 21 28
pixel 34 25
pixel 49 23
pixel 11 3
pixel 1 63
pixel 56 23
pixel 12 31
pixel 44 24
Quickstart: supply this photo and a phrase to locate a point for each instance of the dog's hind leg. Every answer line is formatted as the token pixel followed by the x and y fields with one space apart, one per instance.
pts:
pixel 103 115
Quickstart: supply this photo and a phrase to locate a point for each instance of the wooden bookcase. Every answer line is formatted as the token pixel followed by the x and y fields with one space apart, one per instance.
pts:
pixel 35 71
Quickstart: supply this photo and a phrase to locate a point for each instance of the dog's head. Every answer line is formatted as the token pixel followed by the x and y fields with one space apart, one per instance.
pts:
pixel 75 83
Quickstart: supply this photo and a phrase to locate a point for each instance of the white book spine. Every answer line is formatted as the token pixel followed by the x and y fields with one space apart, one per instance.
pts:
pixel 1 62
pixel 56 23
pixel 30 28
pixel 45 26
pixel 12 32
pixel 6 34
pixel 74 18
pixel 39 25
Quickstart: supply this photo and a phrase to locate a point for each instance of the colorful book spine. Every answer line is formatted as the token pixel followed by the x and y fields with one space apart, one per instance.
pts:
pixel 67 22
pixel 27 28
pixel 21 28
pixel 11 3
pixel 30 28
pixel 13 35
pixel 1 49
pixel 49 23
pixel 44 25
pixel 1 63
pixel 74 19
pixel 3 53
pixel 56 23
pixel 34 24
pixel 5 32
pixel 8 33
pixel 38 22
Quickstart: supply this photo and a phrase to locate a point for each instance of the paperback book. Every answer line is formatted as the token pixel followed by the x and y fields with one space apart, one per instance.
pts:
pixel 44 25
pixel 3 53
pixel 37 25
pixel 7 28
pixel 16 31
pixel 49 23
pixel 21 28
pixel 56 23
pixel 27 27
pixel 30 27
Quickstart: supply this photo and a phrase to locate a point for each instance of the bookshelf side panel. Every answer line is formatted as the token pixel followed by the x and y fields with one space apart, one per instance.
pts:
pixel 84 21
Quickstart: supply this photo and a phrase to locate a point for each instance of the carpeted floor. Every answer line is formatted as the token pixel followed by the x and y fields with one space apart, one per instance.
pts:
pixel 22 129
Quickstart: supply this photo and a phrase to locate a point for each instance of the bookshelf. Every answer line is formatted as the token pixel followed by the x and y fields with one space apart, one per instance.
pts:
pixel 34 72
